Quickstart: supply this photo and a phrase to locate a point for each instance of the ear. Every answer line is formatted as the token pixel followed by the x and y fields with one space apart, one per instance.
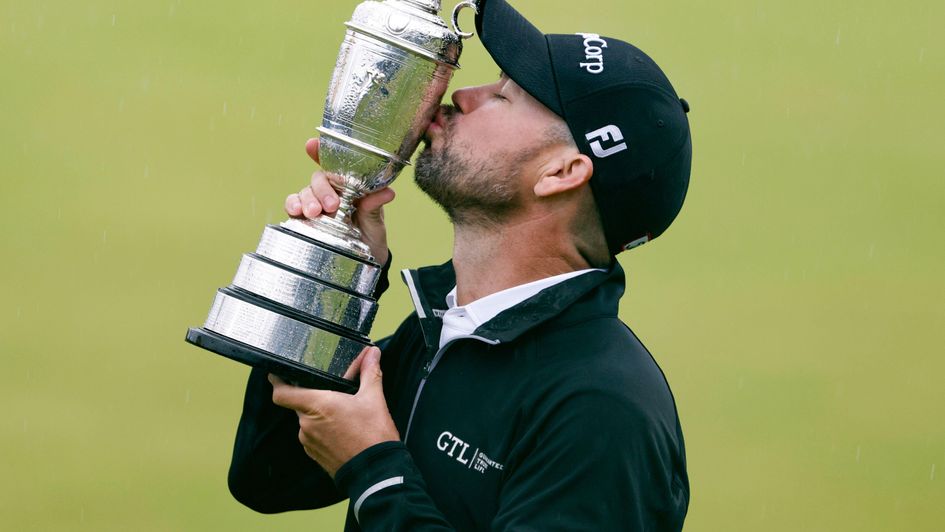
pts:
pixel 569 172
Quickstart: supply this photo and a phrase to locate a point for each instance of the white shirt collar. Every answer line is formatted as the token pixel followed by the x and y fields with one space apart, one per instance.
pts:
pixel 462 321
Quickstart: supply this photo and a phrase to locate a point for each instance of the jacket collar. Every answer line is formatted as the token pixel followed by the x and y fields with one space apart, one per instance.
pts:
pixel 592 294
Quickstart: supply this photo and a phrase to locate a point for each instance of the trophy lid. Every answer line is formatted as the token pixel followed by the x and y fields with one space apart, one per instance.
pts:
pixel 413 25
pixel 433 6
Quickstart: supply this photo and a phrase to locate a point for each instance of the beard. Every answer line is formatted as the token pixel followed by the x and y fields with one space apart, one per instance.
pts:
pixel 471 192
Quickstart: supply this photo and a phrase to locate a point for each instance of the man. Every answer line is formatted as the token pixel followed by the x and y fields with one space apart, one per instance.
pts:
pixel 513 398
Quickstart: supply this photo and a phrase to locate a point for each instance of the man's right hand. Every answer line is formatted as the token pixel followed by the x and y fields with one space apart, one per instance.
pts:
pixel 321 197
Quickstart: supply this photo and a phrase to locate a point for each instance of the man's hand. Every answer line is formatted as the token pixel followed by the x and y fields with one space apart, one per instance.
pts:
pixel 321 197
pixel 334 427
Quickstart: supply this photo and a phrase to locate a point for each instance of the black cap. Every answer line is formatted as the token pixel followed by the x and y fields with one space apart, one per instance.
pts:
pixel 621 109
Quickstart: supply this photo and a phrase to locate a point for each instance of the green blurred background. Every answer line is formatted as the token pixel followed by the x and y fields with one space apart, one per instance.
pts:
pixel 797 305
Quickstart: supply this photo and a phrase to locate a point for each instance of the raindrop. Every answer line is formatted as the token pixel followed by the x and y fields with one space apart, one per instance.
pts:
pixel 932 473
pixel 858 454
pixel 252 113
pixel 170 10
pixel 19 311
pixel 113 19
pixel 837 40
pixel 121 105
pixel 744 158
pixel 147 171
pixel 872 250
pixel 187 397
pixel 104 236
pixel 280 120
pixel 921 54
pixel 224 107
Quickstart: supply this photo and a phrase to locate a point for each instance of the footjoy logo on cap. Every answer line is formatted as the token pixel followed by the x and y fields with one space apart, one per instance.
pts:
pixel 593 53
pixel 607 133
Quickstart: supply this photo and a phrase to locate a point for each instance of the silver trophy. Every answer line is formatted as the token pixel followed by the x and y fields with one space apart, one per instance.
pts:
pixel 302 304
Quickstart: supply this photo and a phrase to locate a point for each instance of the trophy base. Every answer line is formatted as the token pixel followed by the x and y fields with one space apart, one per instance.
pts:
pixel 327 230
pixel 290 371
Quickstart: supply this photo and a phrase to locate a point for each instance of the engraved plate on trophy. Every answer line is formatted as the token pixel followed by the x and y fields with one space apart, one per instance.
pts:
pixel 301 306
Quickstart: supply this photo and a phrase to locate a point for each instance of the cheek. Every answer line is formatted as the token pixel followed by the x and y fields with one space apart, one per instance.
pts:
pixel 520 130
pixel 499 135
pixel 498 130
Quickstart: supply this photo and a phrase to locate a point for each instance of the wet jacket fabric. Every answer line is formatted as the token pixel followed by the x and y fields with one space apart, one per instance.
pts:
pixel 551 416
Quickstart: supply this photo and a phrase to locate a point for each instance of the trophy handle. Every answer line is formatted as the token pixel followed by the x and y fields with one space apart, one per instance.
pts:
pixel 471 4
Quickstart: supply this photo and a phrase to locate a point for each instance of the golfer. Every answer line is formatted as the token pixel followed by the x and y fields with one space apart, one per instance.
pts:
pixel 512 398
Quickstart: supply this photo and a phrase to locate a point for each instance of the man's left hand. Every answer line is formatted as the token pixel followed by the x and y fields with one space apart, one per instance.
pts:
pixel 334 427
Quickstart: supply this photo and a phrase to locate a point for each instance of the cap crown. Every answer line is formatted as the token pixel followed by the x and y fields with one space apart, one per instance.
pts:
pixel 625 115
pixel 621 109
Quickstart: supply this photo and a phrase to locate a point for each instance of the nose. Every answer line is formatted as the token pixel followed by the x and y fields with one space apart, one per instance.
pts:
pixel 469 98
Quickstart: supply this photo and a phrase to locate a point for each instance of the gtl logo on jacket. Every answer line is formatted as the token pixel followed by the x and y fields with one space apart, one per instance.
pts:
pixel 478 461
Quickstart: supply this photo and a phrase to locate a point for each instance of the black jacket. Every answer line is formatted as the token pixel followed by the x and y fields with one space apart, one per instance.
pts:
pixel 552 416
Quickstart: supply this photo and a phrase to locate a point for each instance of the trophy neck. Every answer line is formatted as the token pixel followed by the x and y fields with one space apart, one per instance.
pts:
pixel 431 6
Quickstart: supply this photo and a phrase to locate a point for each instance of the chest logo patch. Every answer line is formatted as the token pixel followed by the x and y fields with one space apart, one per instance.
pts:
pixel 459 450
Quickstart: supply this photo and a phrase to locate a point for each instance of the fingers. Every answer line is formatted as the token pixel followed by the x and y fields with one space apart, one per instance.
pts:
pixel 311 148
pixel 293 205
pixel 318 197
pixel 302 400
pixel 321 196
pixel 355 368
pixel 371 376
pixel 314 199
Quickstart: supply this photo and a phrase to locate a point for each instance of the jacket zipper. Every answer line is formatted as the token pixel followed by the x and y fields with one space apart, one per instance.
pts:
pixel 429 369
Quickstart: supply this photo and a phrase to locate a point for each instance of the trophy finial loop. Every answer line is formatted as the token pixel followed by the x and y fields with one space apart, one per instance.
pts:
pixel 459 7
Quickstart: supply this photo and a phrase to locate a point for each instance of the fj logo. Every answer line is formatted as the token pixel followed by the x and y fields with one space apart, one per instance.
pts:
pixel 593 53
pixel 605 134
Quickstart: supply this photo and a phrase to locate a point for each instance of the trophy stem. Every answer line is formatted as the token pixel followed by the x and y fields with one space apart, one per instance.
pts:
pixel 346 207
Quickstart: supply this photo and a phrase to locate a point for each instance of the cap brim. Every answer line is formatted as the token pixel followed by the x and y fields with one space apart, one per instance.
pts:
pixel 520 49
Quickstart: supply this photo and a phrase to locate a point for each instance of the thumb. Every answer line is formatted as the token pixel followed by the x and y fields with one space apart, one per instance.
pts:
pixel 311 148
pixel 371 204
pixel 371 376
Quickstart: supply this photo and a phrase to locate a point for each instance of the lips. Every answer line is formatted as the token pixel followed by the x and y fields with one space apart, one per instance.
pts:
pixel 438 123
